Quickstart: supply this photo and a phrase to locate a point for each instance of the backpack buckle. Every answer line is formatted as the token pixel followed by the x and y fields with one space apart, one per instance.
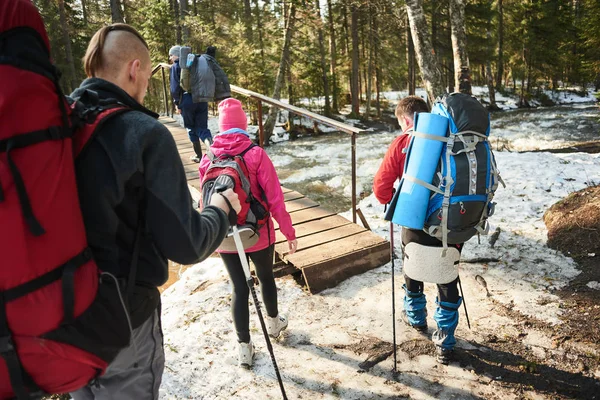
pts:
pixel 6 344
pixel 55 133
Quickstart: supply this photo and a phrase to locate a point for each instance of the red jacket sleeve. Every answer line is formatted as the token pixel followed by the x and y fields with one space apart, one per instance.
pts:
pixel 391 169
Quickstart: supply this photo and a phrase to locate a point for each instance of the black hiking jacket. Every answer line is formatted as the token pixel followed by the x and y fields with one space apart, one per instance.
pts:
pixel 134 153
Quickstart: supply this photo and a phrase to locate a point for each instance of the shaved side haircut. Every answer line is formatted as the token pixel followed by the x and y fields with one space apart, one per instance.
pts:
pixel 112 47
pixel 408 106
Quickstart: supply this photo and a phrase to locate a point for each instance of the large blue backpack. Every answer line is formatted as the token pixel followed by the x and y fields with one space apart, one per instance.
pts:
pixel 466 178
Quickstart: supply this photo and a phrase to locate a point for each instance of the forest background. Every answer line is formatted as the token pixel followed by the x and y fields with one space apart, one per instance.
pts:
pixel 346 52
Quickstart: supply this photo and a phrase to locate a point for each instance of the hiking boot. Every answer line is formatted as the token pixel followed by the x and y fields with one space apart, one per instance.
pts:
pixel 420 328
pixel 198 150
pixel 276 324
pixel 443 356
pixel 245 354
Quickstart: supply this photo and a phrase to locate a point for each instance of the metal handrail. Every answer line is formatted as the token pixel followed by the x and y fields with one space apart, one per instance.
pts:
pixel 260 98
pixel 162 67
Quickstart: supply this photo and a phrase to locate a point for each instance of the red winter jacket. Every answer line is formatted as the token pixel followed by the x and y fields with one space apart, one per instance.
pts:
pixel 391 169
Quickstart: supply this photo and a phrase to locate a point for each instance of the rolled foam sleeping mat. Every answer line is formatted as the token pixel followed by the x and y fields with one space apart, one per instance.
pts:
pixel 422 158
pixel 183 55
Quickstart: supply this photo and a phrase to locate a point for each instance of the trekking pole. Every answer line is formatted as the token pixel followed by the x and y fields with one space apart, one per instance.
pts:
pixel 464 303
pixel 250 282
pixel 244 260
pixel 393 291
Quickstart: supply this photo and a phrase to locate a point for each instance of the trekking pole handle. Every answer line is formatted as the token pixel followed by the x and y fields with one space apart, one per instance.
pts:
pixel 232 215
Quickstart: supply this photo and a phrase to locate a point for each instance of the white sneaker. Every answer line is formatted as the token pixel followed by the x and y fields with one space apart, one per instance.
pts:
pixel 246 354
pixel 276 324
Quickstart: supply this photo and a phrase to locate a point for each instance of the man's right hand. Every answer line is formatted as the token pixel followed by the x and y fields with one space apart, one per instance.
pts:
pixel 217 200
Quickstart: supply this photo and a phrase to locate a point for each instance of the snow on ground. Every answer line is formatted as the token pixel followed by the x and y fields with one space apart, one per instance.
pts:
pixel 200 343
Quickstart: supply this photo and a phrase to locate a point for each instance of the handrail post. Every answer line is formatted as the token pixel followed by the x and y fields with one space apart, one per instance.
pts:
pixel 165 91
pixel 261 130
pixel 353 145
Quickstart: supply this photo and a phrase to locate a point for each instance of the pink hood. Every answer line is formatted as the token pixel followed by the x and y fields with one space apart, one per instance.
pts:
pixel 263 177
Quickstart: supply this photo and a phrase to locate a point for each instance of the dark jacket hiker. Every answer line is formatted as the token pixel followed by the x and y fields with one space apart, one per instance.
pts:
pixel 76 308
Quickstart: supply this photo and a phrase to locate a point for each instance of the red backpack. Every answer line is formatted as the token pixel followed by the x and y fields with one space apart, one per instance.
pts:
pixel 231 171
pixel 62 321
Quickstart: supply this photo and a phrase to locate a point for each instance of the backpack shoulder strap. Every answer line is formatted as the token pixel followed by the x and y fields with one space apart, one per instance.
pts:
pixel 90 113
pixel 247 149
pixel 243 153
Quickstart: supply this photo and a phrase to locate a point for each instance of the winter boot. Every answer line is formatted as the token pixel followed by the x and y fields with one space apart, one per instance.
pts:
pixel 442 355
pixel 198 150
pixel 446 317
pixel 245 354
pixel 276 324
pixel 415 311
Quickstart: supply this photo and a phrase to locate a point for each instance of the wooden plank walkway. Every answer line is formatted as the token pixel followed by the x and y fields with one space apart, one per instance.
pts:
pixel 330 247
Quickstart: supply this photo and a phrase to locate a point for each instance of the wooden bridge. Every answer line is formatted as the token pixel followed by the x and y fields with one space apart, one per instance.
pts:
pixel 330 247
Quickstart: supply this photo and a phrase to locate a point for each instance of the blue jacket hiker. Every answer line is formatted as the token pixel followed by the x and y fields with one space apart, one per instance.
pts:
pixel 195 115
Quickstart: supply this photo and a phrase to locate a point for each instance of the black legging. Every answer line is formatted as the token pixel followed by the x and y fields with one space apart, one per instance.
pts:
pixel 263 263
pixel 446 292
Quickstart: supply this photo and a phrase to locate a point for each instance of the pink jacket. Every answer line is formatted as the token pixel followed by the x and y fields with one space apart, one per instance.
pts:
pixel 262 175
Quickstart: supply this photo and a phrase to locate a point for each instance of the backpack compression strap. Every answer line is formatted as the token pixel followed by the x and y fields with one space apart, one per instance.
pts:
pixel 36 60
pixel 23 385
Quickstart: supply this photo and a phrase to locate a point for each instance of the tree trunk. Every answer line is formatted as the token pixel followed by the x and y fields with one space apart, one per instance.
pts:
pixel 500 71
pixel 213 21
pixel 185 30
pixel 72 81
pixel 177 20
pixel 410 54
pixel 333 59
pixel 345 25
pixel 434 26
pixel 369 80
pixel 576 23
pixel 288 65
pixel 462 72
pixel 285 51
pixel 529 68
pixel 376 62
pixel 84 11
pixel 261 44
pixel 354 88
pixel 290 80
pixel 488 70
pixel 115 11
pixel 126 11
pixel 362 60
pixel 323 60
pixel 194 8
pixel 426 59
pixel 346 46
pixel 248 20
pixel 490 84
